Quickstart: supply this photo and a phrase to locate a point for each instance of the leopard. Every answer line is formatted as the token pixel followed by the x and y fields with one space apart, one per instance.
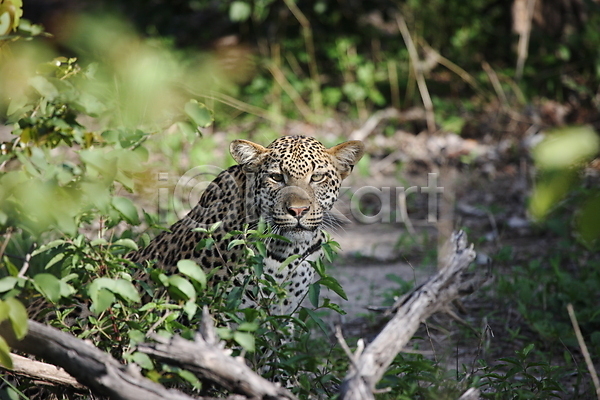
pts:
pixel 290 185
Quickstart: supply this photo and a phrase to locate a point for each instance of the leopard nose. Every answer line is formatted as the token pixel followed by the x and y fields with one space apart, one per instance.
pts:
pixel 298 211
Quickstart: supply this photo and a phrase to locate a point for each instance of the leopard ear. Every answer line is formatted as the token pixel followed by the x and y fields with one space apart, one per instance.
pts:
pixel 347 155
pixel 245 152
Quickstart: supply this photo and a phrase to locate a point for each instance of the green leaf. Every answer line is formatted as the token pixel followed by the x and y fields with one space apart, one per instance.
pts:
pixel 54 260
pixel 239 11
pixel 122 287
pixel 190 308
pixel 90 104
pixel 128 243
pixel 5 359
pixel 566 147
pixel 127 290
pixel 587 221
pixel 7 283
pixel 205 244
pixel 214 227
pixel 317 320
pixel 248 326
pixel 191 378
pixel 65 289
pixel 3 310
pixel 102 300
pixel 48 285
pixel 191 269
pixel 47 246
pixel 183 287
pixel 143 360
pixel 13 394
pixel 187 129
pixel 287 261
pixel 127 209
pixel 244 339
pixel 235 242
pixel 332 306
pixel 136 336
pixel 199 113
pixel 224 333
pixel 17 313
pixel 44 87
pixel 313 294
pixel 332 283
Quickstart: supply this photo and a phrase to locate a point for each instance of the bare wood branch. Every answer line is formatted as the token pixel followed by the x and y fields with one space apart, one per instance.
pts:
pixel 90 366
pixel 317 100
pixel 41 371
pixel 207 360
pixel 412 114
pixel 470 394
pixel 409 311
pixel 584 349
pixel 418 68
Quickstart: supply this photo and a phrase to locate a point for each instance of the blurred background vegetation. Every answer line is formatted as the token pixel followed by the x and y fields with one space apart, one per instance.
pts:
pixel 98 97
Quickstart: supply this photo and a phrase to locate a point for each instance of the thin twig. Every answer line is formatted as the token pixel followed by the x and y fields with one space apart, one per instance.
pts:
pixel 584 349
pixel 493 77
pixel 394 87
pixel 240 105
pixel 9 232
pixel 25 266
pixel 464 75
pixel 422 85
pixel 340 338
pixel 291 92
pixel 157 323
pixel 523 46
pixel 315 80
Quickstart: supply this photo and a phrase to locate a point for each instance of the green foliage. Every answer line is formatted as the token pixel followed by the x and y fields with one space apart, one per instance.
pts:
pixel 82 130
pixel 522 378
pixel 560 157
pixel 543 288
pixel 12 310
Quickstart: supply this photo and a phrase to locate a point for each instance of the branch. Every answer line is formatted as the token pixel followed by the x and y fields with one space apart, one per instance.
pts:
pixel 410 311
pixel 90 366
pixel 208 360
pixel 41 371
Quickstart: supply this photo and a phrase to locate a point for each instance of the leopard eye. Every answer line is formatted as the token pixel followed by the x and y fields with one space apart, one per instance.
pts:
pixel 276 177
pixel 317 177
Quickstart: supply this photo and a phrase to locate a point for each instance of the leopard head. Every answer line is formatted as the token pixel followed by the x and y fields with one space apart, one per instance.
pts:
pixel 294 182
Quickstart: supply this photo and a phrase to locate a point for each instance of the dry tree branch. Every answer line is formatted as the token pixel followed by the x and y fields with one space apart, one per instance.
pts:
pixel 411 114
pixel 414 59
pixel 493 77
pixel 291 92
pixel 522 16
pixel 464 75
pixel 207 359
pixel 104 375
pixel 409 312
pixel 312 58
pixel 42 371
pixel 239 105
pixel 584 349
pixel 89 365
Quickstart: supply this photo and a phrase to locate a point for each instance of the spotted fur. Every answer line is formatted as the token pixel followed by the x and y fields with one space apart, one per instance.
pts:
pixel 292 185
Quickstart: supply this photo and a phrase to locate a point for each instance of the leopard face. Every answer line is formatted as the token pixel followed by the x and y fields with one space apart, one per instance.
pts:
pixel 295 181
